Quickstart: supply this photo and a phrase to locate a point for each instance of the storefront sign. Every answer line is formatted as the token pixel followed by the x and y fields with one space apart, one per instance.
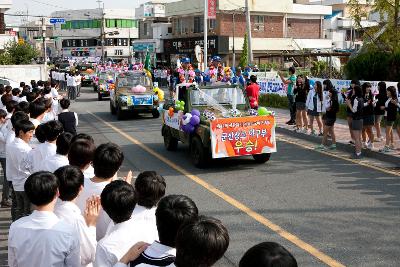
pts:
pixel 216 45
pixel 212 9
pixel 233 137
pixel 142 47
pixel 148 10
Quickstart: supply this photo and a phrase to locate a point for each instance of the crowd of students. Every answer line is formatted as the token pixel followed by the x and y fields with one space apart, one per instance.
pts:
pixel 366 110
pixel 69 206
pixel 68 81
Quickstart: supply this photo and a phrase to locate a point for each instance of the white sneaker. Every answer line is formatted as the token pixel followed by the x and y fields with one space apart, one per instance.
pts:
pixel 379 139
pixel 370 146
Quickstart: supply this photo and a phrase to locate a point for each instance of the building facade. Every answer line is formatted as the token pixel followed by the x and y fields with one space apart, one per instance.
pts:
pixel 32 33
pixel 154 27
pixel 275 26
pixel 341 28
pixel 82 34
pixel 6 35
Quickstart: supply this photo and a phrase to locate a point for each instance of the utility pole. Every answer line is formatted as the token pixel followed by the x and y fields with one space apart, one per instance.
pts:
pixel 233 41
pixel 43 20
pixel 102 34
pixel 205 57
pixel 248 22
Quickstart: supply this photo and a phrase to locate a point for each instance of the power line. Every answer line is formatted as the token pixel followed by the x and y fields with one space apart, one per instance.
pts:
pixel 47 4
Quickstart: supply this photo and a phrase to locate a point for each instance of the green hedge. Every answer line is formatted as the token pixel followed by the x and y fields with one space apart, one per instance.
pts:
pixel 277 101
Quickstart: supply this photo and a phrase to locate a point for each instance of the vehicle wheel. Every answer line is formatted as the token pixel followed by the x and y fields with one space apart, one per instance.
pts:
pixel 120 114
pixel 112 109
pixel 198 153
pixel 262 158
pixel 99 96
pixel 170 142
pixel 155 113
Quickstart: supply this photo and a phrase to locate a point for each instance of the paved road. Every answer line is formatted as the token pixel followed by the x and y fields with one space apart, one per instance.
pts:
pixel 332 210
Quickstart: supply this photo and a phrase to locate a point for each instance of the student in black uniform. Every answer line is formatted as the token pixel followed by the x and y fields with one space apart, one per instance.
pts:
pixel 379 110
pixel 332 108
pixel 356 105
pixel 391 105
pixel 368 116
pixel 301 91
pixel 68 118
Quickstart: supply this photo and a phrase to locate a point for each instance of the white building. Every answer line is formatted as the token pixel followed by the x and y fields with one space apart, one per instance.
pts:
pixel 84 29
pixel 32 33
pixel 154 26
pixel 340 27
pixel 5 35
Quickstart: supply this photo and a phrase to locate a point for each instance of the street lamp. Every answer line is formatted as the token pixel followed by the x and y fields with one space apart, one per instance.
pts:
pixel 233 35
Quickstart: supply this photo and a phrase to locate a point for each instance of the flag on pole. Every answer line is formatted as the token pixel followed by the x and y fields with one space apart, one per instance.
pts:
pixel 147 62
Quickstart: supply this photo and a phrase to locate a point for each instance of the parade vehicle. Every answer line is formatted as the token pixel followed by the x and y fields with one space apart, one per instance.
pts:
pixel 104 83
pixel 133 93
pixel 87 72
pixel 217 122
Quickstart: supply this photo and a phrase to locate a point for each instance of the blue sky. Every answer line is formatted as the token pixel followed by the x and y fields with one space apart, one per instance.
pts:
pixel 45 7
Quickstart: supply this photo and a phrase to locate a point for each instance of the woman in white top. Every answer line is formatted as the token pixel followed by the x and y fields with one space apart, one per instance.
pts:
pixel 316 105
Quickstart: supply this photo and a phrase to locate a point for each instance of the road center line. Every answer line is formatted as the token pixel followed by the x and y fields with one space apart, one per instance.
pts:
pixel 235 203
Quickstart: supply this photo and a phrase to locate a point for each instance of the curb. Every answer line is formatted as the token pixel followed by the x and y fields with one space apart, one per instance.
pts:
pixel 341 146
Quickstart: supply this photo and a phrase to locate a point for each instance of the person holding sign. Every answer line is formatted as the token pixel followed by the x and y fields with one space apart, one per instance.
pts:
pixel 291 83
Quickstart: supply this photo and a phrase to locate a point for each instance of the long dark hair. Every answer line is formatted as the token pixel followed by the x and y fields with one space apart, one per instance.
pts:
pixel 364 90
pixel 328 85
pixel 307 84
pixel 334 99
pixel 318 90
pixel 358 92
pixel 392 91
pixel 297 82
pixel 382 90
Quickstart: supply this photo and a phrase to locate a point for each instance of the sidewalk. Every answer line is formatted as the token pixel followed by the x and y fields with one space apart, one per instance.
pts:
pixel 342 137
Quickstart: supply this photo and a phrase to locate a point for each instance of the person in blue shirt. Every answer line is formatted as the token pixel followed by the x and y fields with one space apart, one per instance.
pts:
pixel 238 78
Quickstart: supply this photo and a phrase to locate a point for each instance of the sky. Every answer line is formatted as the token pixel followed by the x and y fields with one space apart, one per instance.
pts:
pixel 45 7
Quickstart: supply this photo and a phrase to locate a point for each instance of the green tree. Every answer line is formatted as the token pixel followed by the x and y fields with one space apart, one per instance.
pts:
pixel 5 58
pixel 20 53
pixel 386 36
pixel 245 52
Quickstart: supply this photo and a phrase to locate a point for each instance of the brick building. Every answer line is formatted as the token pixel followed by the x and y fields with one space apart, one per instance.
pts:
pixel 276 26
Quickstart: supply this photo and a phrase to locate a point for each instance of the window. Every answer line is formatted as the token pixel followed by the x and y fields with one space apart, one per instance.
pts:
pixel 212 24
pixel 259 19
pixel 118 23
pixel 124 42
pixel 118 52
pixel 109 42
pixel 145 29
pixel 96 24
pixel 169 29
pixel 198 25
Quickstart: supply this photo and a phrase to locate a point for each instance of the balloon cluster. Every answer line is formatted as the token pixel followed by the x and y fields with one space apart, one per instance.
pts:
pixel 179 105
pixel 209 115
pixel 253 112
pixel 190 121
pixel 138 89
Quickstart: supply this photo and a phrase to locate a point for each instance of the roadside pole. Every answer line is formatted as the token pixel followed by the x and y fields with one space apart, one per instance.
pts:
pixel 44 46
pixel 248 22
pixel 205 57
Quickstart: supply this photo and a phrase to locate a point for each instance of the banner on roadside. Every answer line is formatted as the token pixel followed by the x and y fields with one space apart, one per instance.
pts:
pixel 233 137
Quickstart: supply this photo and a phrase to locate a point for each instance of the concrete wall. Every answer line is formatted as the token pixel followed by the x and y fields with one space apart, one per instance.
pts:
pixel 23 73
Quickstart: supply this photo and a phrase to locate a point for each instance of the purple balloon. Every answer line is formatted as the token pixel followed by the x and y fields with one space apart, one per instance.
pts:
pixel 184 117
pixel 189 128
pixel 195 112
pixel 195 120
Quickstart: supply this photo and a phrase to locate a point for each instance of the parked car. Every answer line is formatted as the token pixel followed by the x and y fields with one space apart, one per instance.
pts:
pixel 5 81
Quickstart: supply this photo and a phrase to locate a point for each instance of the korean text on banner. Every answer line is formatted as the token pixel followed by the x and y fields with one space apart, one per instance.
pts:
pixel 233 137
pixel 212 9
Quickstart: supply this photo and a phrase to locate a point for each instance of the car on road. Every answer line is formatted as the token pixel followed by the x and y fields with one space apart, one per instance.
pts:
pixel 5 81
pixel 227 127
pixel 133 93
pixel 104 83
pixel 87 73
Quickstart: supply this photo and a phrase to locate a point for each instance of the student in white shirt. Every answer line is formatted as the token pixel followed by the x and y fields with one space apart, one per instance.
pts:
pixel 149 188
pixel 78 79
pixel 52 163
pixel 15 94
pixel 37 110
pixel 5 201
pixel 107 160
pixel 42 239
pixel 52 130
pixel 71 85
pixel 173 211
pixel 49 114
pixel 16 171
pixel 70 180
pixel 118 201
pixel 81 155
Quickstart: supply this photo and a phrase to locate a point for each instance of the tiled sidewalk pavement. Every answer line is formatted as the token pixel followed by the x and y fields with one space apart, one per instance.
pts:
pixel 342 134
